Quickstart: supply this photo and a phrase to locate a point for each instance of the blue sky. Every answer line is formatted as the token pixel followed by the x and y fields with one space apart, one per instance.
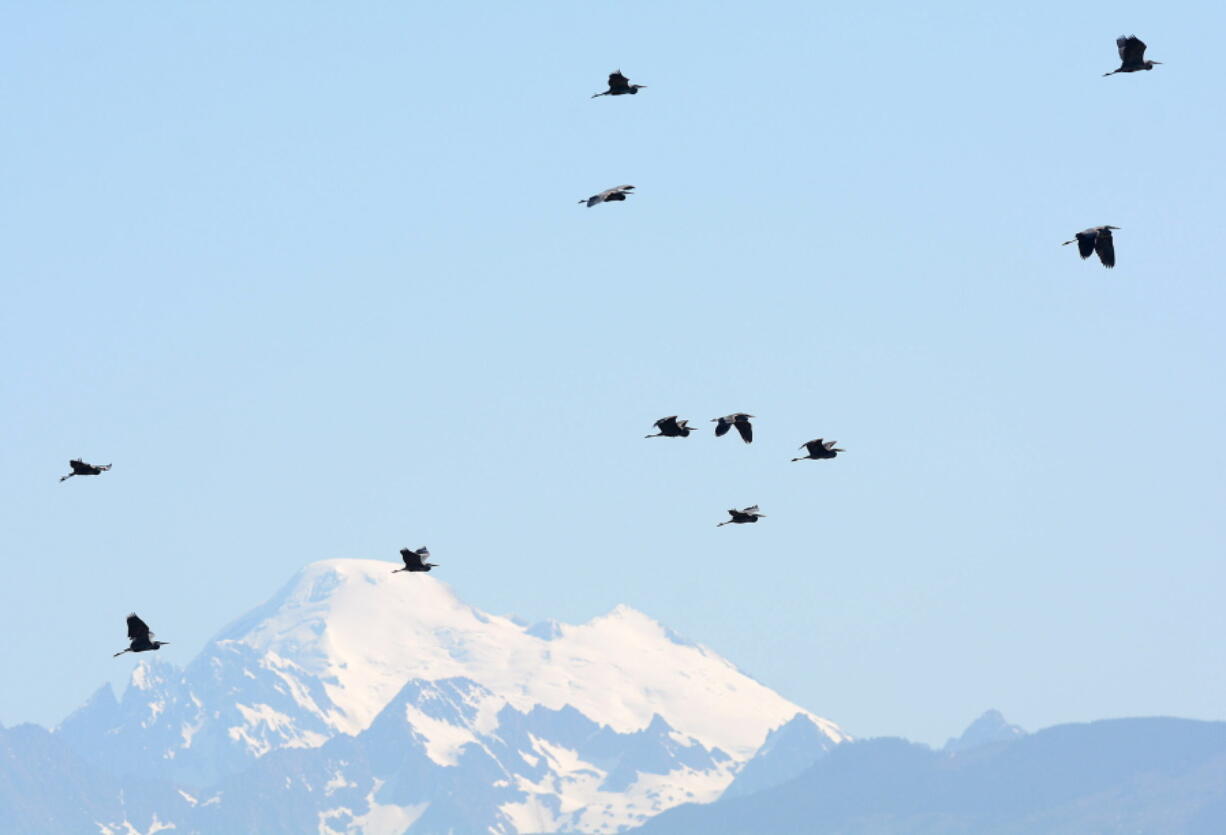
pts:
pixel 314 278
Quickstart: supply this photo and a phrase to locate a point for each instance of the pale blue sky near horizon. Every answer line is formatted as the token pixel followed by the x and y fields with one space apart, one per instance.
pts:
pixel 314 278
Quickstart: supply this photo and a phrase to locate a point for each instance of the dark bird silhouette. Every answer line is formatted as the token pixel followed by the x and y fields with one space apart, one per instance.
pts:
pixel 415 560
pixel 139 635
pixel 609 195
pixel 619 85
pixel 1097 240
pixel 819 449
pixel 743 517
pixel 740 420
pixel 79 467
pixel 670 427
pixel 1132 55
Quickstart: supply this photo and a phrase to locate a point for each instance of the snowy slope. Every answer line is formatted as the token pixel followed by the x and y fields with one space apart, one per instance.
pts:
pixel 365 632
pixel 356 697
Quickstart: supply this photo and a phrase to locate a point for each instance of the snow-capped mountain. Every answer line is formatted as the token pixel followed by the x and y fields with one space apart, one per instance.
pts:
pixel 360 693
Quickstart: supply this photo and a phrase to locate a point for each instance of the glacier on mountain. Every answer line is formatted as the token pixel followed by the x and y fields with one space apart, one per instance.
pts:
pixel 359 699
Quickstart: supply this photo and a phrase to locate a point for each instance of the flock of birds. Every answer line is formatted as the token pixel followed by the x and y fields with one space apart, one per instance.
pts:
pixel 1095 240
pixel 671 427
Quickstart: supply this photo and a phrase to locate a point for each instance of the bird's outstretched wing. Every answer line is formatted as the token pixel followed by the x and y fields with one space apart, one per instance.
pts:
pixel 1105 247
pixel 1132 49
pixel 721 427
pixel 751 511
pixel 667 424
pixel 617 81
pixel 413 559
pixel 1085 243
pixel 615 193
pixel 137 628
pixel 743 426
pixel 812 447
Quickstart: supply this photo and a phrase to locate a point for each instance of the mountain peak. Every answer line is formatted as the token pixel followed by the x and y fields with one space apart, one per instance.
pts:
pixel 988 728
pixel 364 631
pixel 385 681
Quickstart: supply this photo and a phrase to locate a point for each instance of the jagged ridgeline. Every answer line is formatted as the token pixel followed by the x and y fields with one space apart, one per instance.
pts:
pixel 356 700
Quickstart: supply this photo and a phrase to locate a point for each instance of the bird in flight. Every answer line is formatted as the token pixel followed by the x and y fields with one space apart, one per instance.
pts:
pixel 609 195
pixel 1098 239
pixel 818 450
pixel 670 427
pixel 743 517
pixel 79 467
pixel 415 560
pixel 1132 55
pixel 619 85
pixel 740 420
pixel 139 635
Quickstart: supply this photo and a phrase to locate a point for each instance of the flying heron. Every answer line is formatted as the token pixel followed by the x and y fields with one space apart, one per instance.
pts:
pixel 1098 239
pixel 818 450
pixel 609 195
pixel 619 85
pixel 740 420
pixel 79 467
pixel 139 635
pixel 670 427
pixel 415 560
pixel 743 517
pixel 1132 55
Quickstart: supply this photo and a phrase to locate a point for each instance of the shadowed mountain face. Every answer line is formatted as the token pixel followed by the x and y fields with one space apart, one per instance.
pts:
pixel 46 788
pixel 785 755
pixel 989 728
pixel 1122 775
pixel 296 719
pixel 426 761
